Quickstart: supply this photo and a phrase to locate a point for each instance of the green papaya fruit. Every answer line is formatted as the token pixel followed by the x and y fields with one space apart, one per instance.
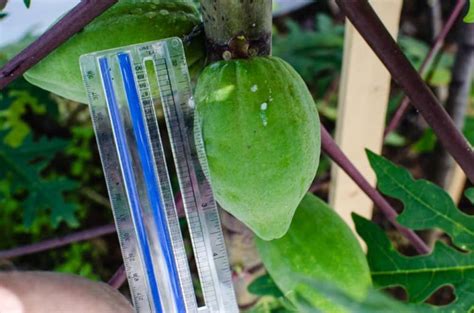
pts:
pixel 261 134
pixel 121 25
pixel 318 246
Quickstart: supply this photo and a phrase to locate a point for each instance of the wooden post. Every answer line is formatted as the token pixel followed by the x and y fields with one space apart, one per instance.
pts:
pixel 456 183
pixel 363 99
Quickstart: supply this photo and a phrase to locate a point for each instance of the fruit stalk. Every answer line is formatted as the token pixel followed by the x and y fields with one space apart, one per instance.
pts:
pixel 237 29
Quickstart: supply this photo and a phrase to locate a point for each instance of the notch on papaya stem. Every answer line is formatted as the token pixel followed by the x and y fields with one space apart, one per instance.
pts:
pixel 240 48
pixel 237 29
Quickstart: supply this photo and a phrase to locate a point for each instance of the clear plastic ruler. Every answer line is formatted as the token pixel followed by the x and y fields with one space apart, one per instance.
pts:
pixel 128 89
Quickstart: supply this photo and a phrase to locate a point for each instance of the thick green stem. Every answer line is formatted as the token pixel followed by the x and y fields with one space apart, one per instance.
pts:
pixel 237 28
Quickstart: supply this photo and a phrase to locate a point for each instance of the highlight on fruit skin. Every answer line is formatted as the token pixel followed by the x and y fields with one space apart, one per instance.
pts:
pixel 320 247
pixel 261 134
pixel 121 25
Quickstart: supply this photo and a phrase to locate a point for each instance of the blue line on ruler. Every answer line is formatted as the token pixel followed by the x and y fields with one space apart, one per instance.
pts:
pixel 130 182
pixel 146 156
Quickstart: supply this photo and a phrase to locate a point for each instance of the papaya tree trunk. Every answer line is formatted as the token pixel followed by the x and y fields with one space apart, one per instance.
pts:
pixel 237 29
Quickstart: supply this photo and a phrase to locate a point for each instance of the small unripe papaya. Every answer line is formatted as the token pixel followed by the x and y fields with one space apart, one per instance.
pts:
pixel 261 134
pixel 320 247
pixel 121 25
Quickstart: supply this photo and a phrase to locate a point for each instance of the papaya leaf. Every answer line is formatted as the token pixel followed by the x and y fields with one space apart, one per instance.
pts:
pixel 468 129
pixel 470 15
pixel 375 301
pixel 426 143
pixel 428 140
pixel 422 275
pixel 426 204
pixel 469 193
pixel 272 305
pixel 24 165
pixel 265 286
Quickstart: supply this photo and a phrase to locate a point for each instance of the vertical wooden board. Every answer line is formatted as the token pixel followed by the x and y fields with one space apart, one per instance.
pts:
pixel 363 99
pixel 457 182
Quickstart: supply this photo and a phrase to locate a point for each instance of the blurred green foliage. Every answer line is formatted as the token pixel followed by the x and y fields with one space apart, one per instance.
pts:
pixel 46 159
pixel 470 15
pixel 23 166
pixel 315 54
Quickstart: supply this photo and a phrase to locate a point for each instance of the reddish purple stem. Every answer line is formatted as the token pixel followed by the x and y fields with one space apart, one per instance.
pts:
pixel 336 154
pixel 74 237
pixel 425 66
pixel 119 278
pixel 58 242
pixel 74 21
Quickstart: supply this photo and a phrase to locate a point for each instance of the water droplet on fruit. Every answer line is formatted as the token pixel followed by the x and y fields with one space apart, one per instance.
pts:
pixel 191 103
pixel 263 113
pixel 254 88
pixel 164 12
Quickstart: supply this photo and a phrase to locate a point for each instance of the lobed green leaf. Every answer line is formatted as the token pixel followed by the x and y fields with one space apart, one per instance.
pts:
pixel 426 205
pixel 422 275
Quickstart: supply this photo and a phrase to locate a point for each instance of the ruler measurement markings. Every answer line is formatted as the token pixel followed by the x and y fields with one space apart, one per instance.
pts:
pixel 211 213
pixel 219 251
pixel 219 269
pixel 184 171
pixel 165 185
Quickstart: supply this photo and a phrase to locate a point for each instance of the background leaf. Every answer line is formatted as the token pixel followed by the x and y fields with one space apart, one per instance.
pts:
pixel 24 165
pixel 470 15
pixel 375 302
pixel 469 193
pixel 265 286
pixel 426 205
pixel 420 275
pixel 27 3
pixel 315 54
